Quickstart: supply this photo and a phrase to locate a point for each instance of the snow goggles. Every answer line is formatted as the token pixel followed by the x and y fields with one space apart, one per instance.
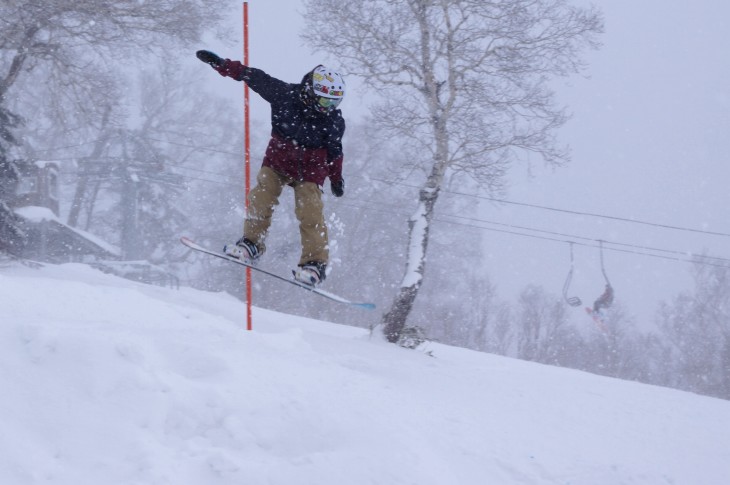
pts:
pixel 328 103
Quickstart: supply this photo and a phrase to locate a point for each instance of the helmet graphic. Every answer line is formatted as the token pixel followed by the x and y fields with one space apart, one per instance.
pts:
pixel 328 88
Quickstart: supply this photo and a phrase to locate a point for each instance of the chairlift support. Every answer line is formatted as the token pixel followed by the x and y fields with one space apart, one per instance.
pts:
pixel 571 300
pixel 603 267
pixel 606 298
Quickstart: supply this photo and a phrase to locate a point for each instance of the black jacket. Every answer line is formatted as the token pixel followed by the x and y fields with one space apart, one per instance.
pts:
pixel 291 118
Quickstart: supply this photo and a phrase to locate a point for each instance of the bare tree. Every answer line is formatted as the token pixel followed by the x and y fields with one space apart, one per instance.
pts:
pixel 611 346
pixel 74 48
pixel 465 84
pixel 150 171
pixel 698 327
pixel 70 35
pixel 543 333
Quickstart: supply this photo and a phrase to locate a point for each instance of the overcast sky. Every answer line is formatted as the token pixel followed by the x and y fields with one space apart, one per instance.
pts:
pixel 649 137
pixel 650 142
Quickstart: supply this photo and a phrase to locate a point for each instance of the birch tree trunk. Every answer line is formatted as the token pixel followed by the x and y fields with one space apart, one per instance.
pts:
pixel 418 235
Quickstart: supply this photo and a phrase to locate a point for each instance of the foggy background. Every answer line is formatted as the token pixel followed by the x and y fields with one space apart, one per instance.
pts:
pixel 649 139
pixel 648 135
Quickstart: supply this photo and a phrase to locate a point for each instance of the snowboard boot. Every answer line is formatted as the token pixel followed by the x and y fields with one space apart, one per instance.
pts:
pixel 244 249
pixel 311 273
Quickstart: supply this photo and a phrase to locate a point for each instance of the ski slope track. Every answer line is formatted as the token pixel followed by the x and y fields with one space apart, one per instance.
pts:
pixel 106 381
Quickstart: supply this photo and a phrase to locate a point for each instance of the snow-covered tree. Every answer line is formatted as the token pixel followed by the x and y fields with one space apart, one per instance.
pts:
pixel 61 61
pixel 79 42
pixel 462 83
pixel 9 228
pixel 610 349
pixel 697 325
pixel 178 140
pixel 543 332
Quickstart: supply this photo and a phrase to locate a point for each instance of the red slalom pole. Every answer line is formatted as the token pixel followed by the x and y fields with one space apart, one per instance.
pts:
pixel 247 151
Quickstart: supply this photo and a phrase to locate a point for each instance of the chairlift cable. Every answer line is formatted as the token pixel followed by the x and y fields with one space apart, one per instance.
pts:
pixel 565 211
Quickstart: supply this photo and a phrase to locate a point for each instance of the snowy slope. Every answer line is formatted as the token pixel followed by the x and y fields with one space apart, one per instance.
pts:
pixel 105 381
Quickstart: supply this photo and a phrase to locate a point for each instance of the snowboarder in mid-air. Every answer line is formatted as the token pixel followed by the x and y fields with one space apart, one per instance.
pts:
pixel 305 148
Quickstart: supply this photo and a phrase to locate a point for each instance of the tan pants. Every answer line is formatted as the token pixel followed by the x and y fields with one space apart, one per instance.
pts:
pixel 308 208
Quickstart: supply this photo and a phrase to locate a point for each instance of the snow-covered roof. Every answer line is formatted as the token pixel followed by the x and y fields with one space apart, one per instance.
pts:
pixel 39 214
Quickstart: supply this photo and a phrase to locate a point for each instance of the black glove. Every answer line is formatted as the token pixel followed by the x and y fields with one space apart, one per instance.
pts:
pixel 338 188
pixel 209 58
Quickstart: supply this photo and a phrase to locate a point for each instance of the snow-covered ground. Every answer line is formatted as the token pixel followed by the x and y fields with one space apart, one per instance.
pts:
pixel 105 381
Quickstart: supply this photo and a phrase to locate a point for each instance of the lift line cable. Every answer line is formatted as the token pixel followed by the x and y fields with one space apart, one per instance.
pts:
pixel 573 236
pixel 483 197
pixel 683 254
pixel 689 259
pixel 566 211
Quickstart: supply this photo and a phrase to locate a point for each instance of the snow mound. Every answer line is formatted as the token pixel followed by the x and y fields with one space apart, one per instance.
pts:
pixel 106 381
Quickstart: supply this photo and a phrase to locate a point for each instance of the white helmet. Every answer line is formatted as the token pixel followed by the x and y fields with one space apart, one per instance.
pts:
pixel 328 88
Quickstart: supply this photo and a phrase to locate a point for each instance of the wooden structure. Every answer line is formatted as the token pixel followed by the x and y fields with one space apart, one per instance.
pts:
pixel 47 238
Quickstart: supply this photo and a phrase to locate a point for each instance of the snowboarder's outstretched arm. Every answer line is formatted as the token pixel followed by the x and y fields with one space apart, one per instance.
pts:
pixel 266 86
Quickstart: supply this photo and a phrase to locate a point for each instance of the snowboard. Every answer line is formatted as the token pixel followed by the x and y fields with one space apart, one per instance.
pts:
pixel 326 294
